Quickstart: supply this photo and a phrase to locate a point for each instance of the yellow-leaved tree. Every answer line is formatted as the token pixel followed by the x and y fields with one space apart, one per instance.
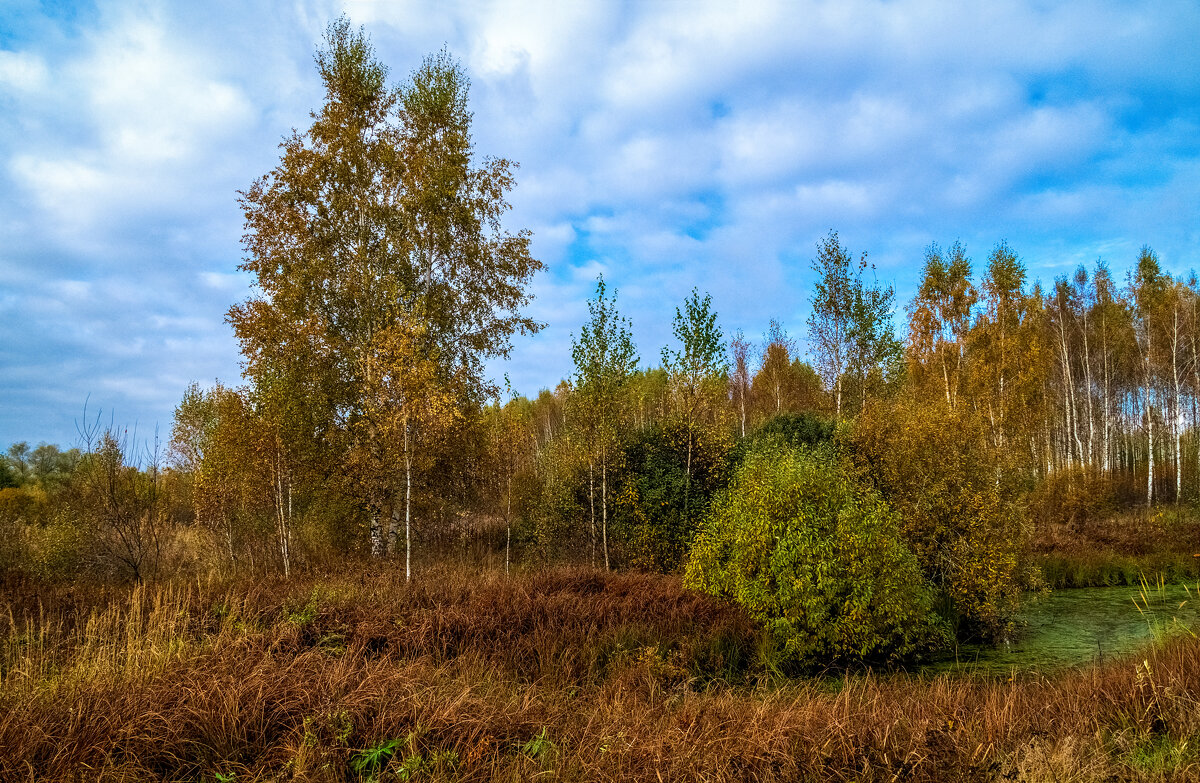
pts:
pixel 385 278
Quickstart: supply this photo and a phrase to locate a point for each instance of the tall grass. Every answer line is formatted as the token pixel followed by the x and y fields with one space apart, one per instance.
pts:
pixel 568 674
pixel 1117 548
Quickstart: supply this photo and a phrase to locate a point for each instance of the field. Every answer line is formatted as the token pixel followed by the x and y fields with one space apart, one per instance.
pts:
pixel 566 674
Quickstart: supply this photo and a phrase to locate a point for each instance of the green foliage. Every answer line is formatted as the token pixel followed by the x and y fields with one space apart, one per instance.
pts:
pixel 384 281
pixel 817 558
pixel 604 354
pixel 850 328
pixel 552 501
pixel 701 353
pixel 539 745
pixel 9 477
pixel 303 614
pixel 28 532
pixel 46 466
pixel 656 494
pixel 959 501
pixel 797 430
pixel 370 760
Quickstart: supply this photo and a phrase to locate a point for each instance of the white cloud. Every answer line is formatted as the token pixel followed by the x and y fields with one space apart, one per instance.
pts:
pixel 134 119
pixel 666 145
pixel 152 101
pixel 22 72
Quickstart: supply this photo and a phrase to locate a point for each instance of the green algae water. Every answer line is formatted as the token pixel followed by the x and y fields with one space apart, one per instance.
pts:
pixel 1080 626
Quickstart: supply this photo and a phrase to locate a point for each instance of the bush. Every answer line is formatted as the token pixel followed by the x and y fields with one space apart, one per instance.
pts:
pixel 817 558
pixel 551 504
pixel 658 509
pixel 795 429
pixel 958 498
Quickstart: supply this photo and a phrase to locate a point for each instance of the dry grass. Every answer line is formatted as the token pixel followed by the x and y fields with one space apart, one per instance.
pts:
pixel 1119 548
pixel 567 675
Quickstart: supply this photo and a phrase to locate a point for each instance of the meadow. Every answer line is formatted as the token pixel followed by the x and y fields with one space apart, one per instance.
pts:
pixel 466 674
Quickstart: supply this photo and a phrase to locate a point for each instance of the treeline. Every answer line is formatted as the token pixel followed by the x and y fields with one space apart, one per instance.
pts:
pixel 1088 376
pixel 984 413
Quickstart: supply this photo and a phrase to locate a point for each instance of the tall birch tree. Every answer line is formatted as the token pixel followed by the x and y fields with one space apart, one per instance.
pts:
pixel 377 247
pixel 605 358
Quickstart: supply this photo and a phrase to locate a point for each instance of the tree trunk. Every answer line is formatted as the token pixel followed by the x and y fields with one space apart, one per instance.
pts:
pixel 946 380
pixel 393 534
pixel 1195 379
pixel 407 505
pixel 687 482
pixel 1107 462
pixel 1069 388
pixel 1177 411
pixel 508 526
pixel 1149 443
pixel 1087 382
pixel 282 508
pixel 592 503
pixel 604 506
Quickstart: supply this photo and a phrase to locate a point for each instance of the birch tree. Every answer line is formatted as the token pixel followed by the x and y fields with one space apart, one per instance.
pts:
pixel 604 357
pixel 739 379
pixel 940 315
pixel 377 238
pixel 1147 288
pixel 696 368
pixel 831 323
pixel 777 352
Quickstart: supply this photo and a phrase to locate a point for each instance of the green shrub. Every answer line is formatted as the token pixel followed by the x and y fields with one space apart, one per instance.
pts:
pixel 817 558
pixel 551 503
pixel 795 429
pixel 658 508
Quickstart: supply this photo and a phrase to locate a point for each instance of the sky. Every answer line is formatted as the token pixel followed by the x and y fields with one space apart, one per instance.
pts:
pixel 667 145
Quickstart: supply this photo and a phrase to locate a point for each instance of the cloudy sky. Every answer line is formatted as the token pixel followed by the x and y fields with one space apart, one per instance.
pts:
pixel 665 144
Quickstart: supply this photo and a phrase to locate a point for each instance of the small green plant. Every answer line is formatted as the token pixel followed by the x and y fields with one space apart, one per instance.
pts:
pixel 369 761
pixel 302 615
pixel 410 767
pixel 1157 754
pixel 337 724
pixel 342 723
pixel 444 759
pixel 538 746
pixel 332 644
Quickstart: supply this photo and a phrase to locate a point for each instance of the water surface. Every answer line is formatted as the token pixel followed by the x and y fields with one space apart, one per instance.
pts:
pixel 1083 625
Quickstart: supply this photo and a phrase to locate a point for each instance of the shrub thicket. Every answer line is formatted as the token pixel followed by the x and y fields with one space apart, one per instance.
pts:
pixel 660 507
pixel 815 556
pixel 798 430
pixel 958 499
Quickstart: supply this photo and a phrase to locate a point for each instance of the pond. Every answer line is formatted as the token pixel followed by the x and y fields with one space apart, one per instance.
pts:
pixel 1083 625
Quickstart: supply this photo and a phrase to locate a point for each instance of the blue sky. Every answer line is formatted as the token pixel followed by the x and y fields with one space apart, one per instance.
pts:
pixel 667 145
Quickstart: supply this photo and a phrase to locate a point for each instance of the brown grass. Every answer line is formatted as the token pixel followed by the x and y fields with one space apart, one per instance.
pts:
pixel 566 675
pixel 1120 548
